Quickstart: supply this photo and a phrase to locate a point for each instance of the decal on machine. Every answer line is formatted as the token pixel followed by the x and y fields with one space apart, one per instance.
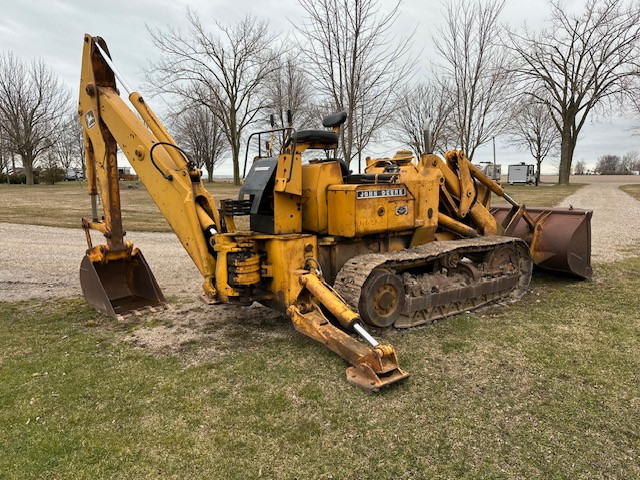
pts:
pixel 387 192
pixel 402 210
pixel 89 119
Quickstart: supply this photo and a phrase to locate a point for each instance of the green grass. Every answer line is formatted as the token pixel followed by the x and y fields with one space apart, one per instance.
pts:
pixel 547 388
pixel 545 195
pixel 633 190
pixel 64 204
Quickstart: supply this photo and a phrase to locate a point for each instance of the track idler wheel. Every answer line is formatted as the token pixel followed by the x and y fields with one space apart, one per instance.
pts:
pixel 382 298
pixel 503 258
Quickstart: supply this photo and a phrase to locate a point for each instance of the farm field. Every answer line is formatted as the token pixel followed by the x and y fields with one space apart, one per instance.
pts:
pixel 65 203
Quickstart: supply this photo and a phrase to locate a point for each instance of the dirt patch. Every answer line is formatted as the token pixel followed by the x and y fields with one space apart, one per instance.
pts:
pixel 198 333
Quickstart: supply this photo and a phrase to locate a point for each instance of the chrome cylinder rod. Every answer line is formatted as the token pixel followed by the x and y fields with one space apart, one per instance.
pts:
pixel 510 200
pixel 365 335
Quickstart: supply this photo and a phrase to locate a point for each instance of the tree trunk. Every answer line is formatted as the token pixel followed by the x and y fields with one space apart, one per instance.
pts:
pixel 539 162
pixel 235 152
pixel 210 172
pixel 566 157
pixel 27 163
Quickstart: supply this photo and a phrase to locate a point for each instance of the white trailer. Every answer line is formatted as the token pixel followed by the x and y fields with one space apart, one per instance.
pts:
pixel 490 170
pixel 522 174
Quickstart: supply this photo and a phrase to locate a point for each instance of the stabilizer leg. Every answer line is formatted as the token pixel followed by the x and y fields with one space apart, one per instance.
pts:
pixel 372 367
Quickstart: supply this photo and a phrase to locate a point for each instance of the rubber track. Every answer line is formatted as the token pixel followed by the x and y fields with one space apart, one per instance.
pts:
pixel 354 273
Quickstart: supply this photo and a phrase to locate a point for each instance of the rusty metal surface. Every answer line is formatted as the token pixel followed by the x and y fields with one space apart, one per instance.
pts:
pixel 120 287
pixel 560 241
pixel 371 368
pixel 478 288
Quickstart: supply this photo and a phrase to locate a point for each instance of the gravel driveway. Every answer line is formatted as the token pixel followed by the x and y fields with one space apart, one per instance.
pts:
pixel 615 226
pixel 43 262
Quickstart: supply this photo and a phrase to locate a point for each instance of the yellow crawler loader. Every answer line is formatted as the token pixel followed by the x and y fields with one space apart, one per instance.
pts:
pixel 408 241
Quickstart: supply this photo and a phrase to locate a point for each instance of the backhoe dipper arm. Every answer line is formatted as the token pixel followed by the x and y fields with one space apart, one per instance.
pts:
pixel 170 178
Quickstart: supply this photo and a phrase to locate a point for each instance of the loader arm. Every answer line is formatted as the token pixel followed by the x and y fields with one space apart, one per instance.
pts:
pixel 170 178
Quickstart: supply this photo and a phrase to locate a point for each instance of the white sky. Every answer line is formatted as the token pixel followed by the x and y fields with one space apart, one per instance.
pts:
pixel 53 30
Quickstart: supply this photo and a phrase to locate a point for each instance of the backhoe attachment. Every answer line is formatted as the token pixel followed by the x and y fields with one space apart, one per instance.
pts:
pixel 115 277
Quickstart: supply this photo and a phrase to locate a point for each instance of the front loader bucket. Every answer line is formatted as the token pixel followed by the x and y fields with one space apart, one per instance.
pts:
pixel 120 287
pixel 560 241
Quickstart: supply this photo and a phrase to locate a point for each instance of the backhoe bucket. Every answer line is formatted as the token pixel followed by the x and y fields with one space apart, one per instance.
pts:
pixel 560 241
pixel 120 287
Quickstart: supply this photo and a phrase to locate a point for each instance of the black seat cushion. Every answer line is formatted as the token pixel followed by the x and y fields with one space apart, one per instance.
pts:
pixel 318 138
pixel 335 120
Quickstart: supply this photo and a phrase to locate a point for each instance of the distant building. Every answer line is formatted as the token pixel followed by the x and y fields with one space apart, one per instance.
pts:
pixel 75 174
pixel 124 173
pixel 17 171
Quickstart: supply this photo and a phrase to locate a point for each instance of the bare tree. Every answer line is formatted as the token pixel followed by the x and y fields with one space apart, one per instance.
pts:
pixel 68 151
pixel 357 64
pixel 289 88
pixel 33 103
pixel 475 62
pixel 609 165
pixel 532 128
pixel 5 157
pixel 580 62
pixel 631 161
pixel 225 70
pixel 580 168
pixel 426 106
pixel 201 133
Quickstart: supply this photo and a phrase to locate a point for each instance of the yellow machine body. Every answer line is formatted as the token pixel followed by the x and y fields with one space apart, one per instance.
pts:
pixel 405 242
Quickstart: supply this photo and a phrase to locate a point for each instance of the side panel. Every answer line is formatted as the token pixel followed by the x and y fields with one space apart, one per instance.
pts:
pixel 316 179
pixel 356 210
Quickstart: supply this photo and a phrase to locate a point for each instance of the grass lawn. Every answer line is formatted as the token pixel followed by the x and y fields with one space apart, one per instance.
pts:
pixel 545 195
pixel 64 204
pixel 547 388
pixel 633 190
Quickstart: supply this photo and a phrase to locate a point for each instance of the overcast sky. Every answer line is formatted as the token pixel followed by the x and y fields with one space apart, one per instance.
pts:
pixel 53 30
